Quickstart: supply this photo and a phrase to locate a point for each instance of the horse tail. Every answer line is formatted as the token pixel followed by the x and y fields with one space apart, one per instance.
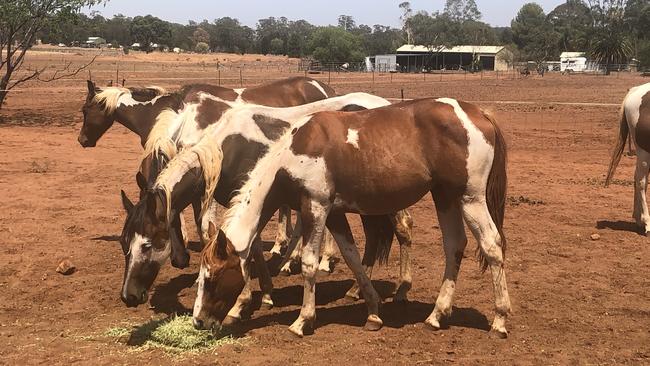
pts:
pixel 497 185
pixel 624 131
pixel 379 235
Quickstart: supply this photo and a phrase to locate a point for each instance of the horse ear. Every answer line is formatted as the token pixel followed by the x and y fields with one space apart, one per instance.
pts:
pixel 155 201
pixel 221 250
pixel 91 88
pixel 126 202
pixel 141 180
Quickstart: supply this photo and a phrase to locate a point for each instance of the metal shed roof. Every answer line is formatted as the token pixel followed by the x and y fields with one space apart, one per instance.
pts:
pixel 456 49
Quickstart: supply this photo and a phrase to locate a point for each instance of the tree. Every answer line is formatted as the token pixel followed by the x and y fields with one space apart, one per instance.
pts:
pixel 300 32
pixel 436 31
pixel 269 29
pixel 407 13
pixel 347 22
pixel 202 47
pixel 333 44
pixel 461 10
pixel 533 34
pixel 148 29
pixel 20 23
pixel 277 46
pixel 610 41
pixel 571 21
pixel 200 35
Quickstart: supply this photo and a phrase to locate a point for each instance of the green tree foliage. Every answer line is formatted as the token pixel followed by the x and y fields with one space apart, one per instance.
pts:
pixel 534 35
pixel 572 21
pixel 202 47
pixel 277 46
pixel 148 30
pixel 200 35
pixel 461 10
pixel 347 22
pixel 334 44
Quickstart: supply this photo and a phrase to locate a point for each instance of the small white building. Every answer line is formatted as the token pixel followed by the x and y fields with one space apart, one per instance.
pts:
pixel 573 62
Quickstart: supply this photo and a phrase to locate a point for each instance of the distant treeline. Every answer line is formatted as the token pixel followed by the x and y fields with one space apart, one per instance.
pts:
pixel 611 31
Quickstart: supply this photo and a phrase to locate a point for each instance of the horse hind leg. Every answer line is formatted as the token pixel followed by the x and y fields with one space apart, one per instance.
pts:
pixel 477 217
pixel 450 218
pixel 284 231
pixel 294 249
pixel 403 225
pixel 328 253
pixel 641 214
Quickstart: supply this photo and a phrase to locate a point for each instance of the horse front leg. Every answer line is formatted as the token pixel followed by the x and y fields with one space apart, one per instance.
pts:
pixel 314 216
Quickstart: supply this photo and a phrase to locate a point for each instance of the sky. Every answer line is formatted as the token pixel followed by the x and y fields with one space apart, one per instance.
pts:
pixel 318 12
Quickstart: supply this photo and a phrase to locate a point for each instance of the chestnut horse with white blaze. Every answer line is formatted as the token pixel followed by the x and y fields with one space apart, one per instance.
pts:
pixel 635 122
pixel 371 162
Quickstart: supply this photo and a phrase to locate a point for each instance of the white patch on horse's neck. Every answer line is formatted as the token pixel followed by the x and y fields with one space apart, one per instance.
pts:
pixel 353 137
pixel 239 93
pixel 319 87
pixel 127 100
pixel 478 148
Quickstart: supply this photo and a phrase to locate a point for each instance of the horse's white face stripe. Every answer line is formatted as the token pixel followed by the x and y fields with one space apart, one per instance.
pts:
pixel 353 138
pixel 198 303
pixel 480 152
pixel 319 87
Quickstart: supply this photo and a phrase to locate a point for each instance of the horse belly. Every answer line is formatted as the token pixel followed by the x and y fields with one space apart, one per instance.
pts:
pixel 381 186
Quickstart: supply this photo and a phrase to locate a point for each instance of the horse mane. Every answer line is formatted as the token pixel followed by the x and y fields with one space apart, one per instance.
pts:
pixel 110 97
pixel 209 156
pixel 159 140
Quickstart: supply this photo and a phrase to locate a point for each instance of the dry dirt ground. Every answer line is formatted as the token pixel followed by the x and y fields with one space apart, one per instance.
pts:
pixel 575 300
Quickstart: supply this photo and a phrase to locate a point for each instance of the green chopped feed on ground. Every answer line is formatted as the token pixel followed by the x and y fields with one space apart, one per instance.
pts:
pixel 175 334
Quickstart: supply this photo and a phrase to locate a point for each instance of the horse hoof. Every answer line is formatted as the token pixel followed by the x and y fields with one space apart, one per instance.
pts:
pixel 285 272
pixel 352 295
pixel 267 303
pixel 432 324
pixel 230 321
pixel 373 323
pixel 300 329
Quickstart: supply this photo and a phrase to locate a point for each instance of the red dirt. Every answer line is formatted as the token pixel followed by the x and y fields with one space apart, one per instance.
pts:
pixel 575 300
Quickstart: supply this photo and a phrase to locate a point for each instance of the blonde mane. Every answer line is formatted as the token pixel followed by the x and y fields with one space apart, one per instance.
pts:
pixel 110 97
pixel 209 157
pixel 159 139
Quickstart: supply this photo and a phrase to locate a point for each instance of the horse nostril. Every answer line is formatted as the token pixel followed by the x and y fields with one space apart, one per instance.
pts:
pixel 143 297
pixel 198 324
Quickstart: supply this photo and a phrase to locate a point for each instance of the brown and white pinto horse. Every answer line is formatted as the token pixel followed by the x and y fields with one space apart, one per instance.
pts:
pixel 371 162
pixel 217 167
pixel 635 121
pixel 143 110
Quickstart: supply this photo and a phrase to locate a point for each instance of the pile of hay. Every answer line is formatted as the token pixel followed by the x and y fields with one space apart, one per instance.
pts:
pixel 175 334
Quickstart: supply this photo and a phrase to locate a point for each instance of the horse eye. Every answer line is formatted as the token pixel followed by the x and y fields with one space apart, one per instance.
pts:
pixel 146 246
